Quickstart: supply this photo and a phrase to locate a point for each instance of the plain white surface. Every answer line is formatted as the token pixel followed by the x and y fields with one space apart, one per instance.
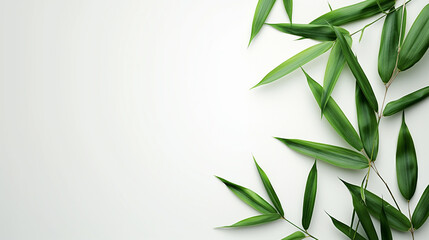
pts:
pixel 115 115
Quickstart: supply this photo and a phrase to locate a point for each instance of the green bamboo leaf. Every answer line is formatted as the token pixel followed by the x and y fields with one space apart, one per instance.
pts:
pixel 261 13
pixel 337 156
pixel 288 4
pixel 309 197
pixel 406 101
pixel 312 31
pixel 249 197
pixel 295 62
pixel 347 230
pixel 397 220
pixel 386 233
pixel 417 41
pixel 389 43
pixel 406 162
pixel 335 116
pixel 269 188
pixel 354 12
pixel 368 126
pixel 256 220
pixel 421 213
pixel 357 71
pixel 295 236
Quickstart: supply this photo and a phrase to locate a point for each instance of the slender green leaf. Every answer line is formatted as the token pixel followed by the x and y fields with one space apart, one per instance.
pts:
pixel 386 233
pixel 406 101
pixel 357 71
pixel 397 220
pixel 261 13
pixel 295 62
pixel 312 31
pixel 309 197
pixel 421 213
pixel 406 162
pixel 417 41
pixel 295 236
pixel 368 126
pixel 347 230
pixel 256 220
pixel 288 6
pixel 269 188
pixel 249 197
pixel 354 12
pixel 334 155
pixel 389 43
pixel 335 116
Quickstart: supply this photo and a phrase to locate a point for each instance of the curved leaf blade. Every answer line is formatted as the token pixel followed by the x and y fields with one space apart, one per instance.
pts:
pixel 349 232
pixel 256 220
pixel 288 4
pixel 295 236
pixel 386 233
pixel 421 213
pixel 312 31
pixel 406 101
pixel 295 62
pixel 406 162
pixel 309 197
pixel 337 156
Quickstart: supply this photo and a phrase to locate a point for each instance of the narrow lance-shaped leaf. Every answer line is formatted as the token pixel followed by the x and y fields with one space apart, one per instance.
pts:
pixel 269 188
pixel 312 31
pixel 406 162
pixel 354 12
pixel 417 41
pixel 357 71
pixel 309 197
pixel 295 62
pixel 261 13
pixel 406 101
pixel 337 156
pixel 295 236
pixel 386 233
pixel 368 126
pixel 349 232
pixel 256 220
pixel 421 213
pixel 389 43
pixel 249 197
pixel 288 4
pixel 335 116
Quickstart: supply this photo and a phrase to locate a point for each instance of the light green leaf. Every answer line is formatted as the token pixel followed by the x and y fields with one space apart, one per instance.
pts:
pixel 309 197
pixel 312 31
pixel 334 155
pixel 256 220
pixel 295 62
pixel 349 232
pixel 295 236
pixel 261 13
pixel 421 213
pixel 335 116
pixel 249 197
pixel 269 188
pixel 288 6
pixel 417 41
pixel 406 101
pixel 386 233
pixel 406 162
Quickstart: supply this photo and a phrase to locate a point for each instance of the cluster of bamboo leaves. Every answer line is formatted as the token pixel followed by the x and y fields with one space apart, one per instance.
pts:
pixel 399 51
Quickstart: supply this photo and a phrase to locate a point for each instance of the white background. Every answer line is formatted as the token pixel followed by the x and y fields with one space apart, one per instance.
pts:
pixel 115 115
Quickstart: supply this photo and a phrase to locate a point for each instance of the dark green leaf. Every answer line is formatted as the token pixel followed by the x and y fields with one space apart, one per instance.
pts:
pixel 406 162
pixel 249 197
pixel 288 6
pixel 386 234
pixel 261 13
pixel 417 41
pixel 295 236
pixel 354 12
pixel 256 220
pixel 349 232
pixel 406 101
pixel 364 217
pixel 334 155
pixel 312 31
pixel 269 188
pixel 357 71
pixel 368 126
pixel 309 197
pixel 421 213
pixel 295 62
pixel 335 116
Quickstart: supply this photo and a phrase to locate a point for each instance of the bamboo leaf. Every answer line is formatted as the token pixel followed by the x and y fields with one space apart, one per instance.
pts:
pixel 312 31
pixel 421 213
pixel 357 71
pixel 261 13
pixel 334 155
pixel 368 126
pixel 349 232
pixel 406 162
pixel 295 236
pixel 269 188
pixel 335 116
pixel 309 197
pixel 295 62
pixel 249 197
pixel 256 220
pixel 417 41
pixel 354 12
pixel 406 101
pixel 386 233
pixel 288 4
